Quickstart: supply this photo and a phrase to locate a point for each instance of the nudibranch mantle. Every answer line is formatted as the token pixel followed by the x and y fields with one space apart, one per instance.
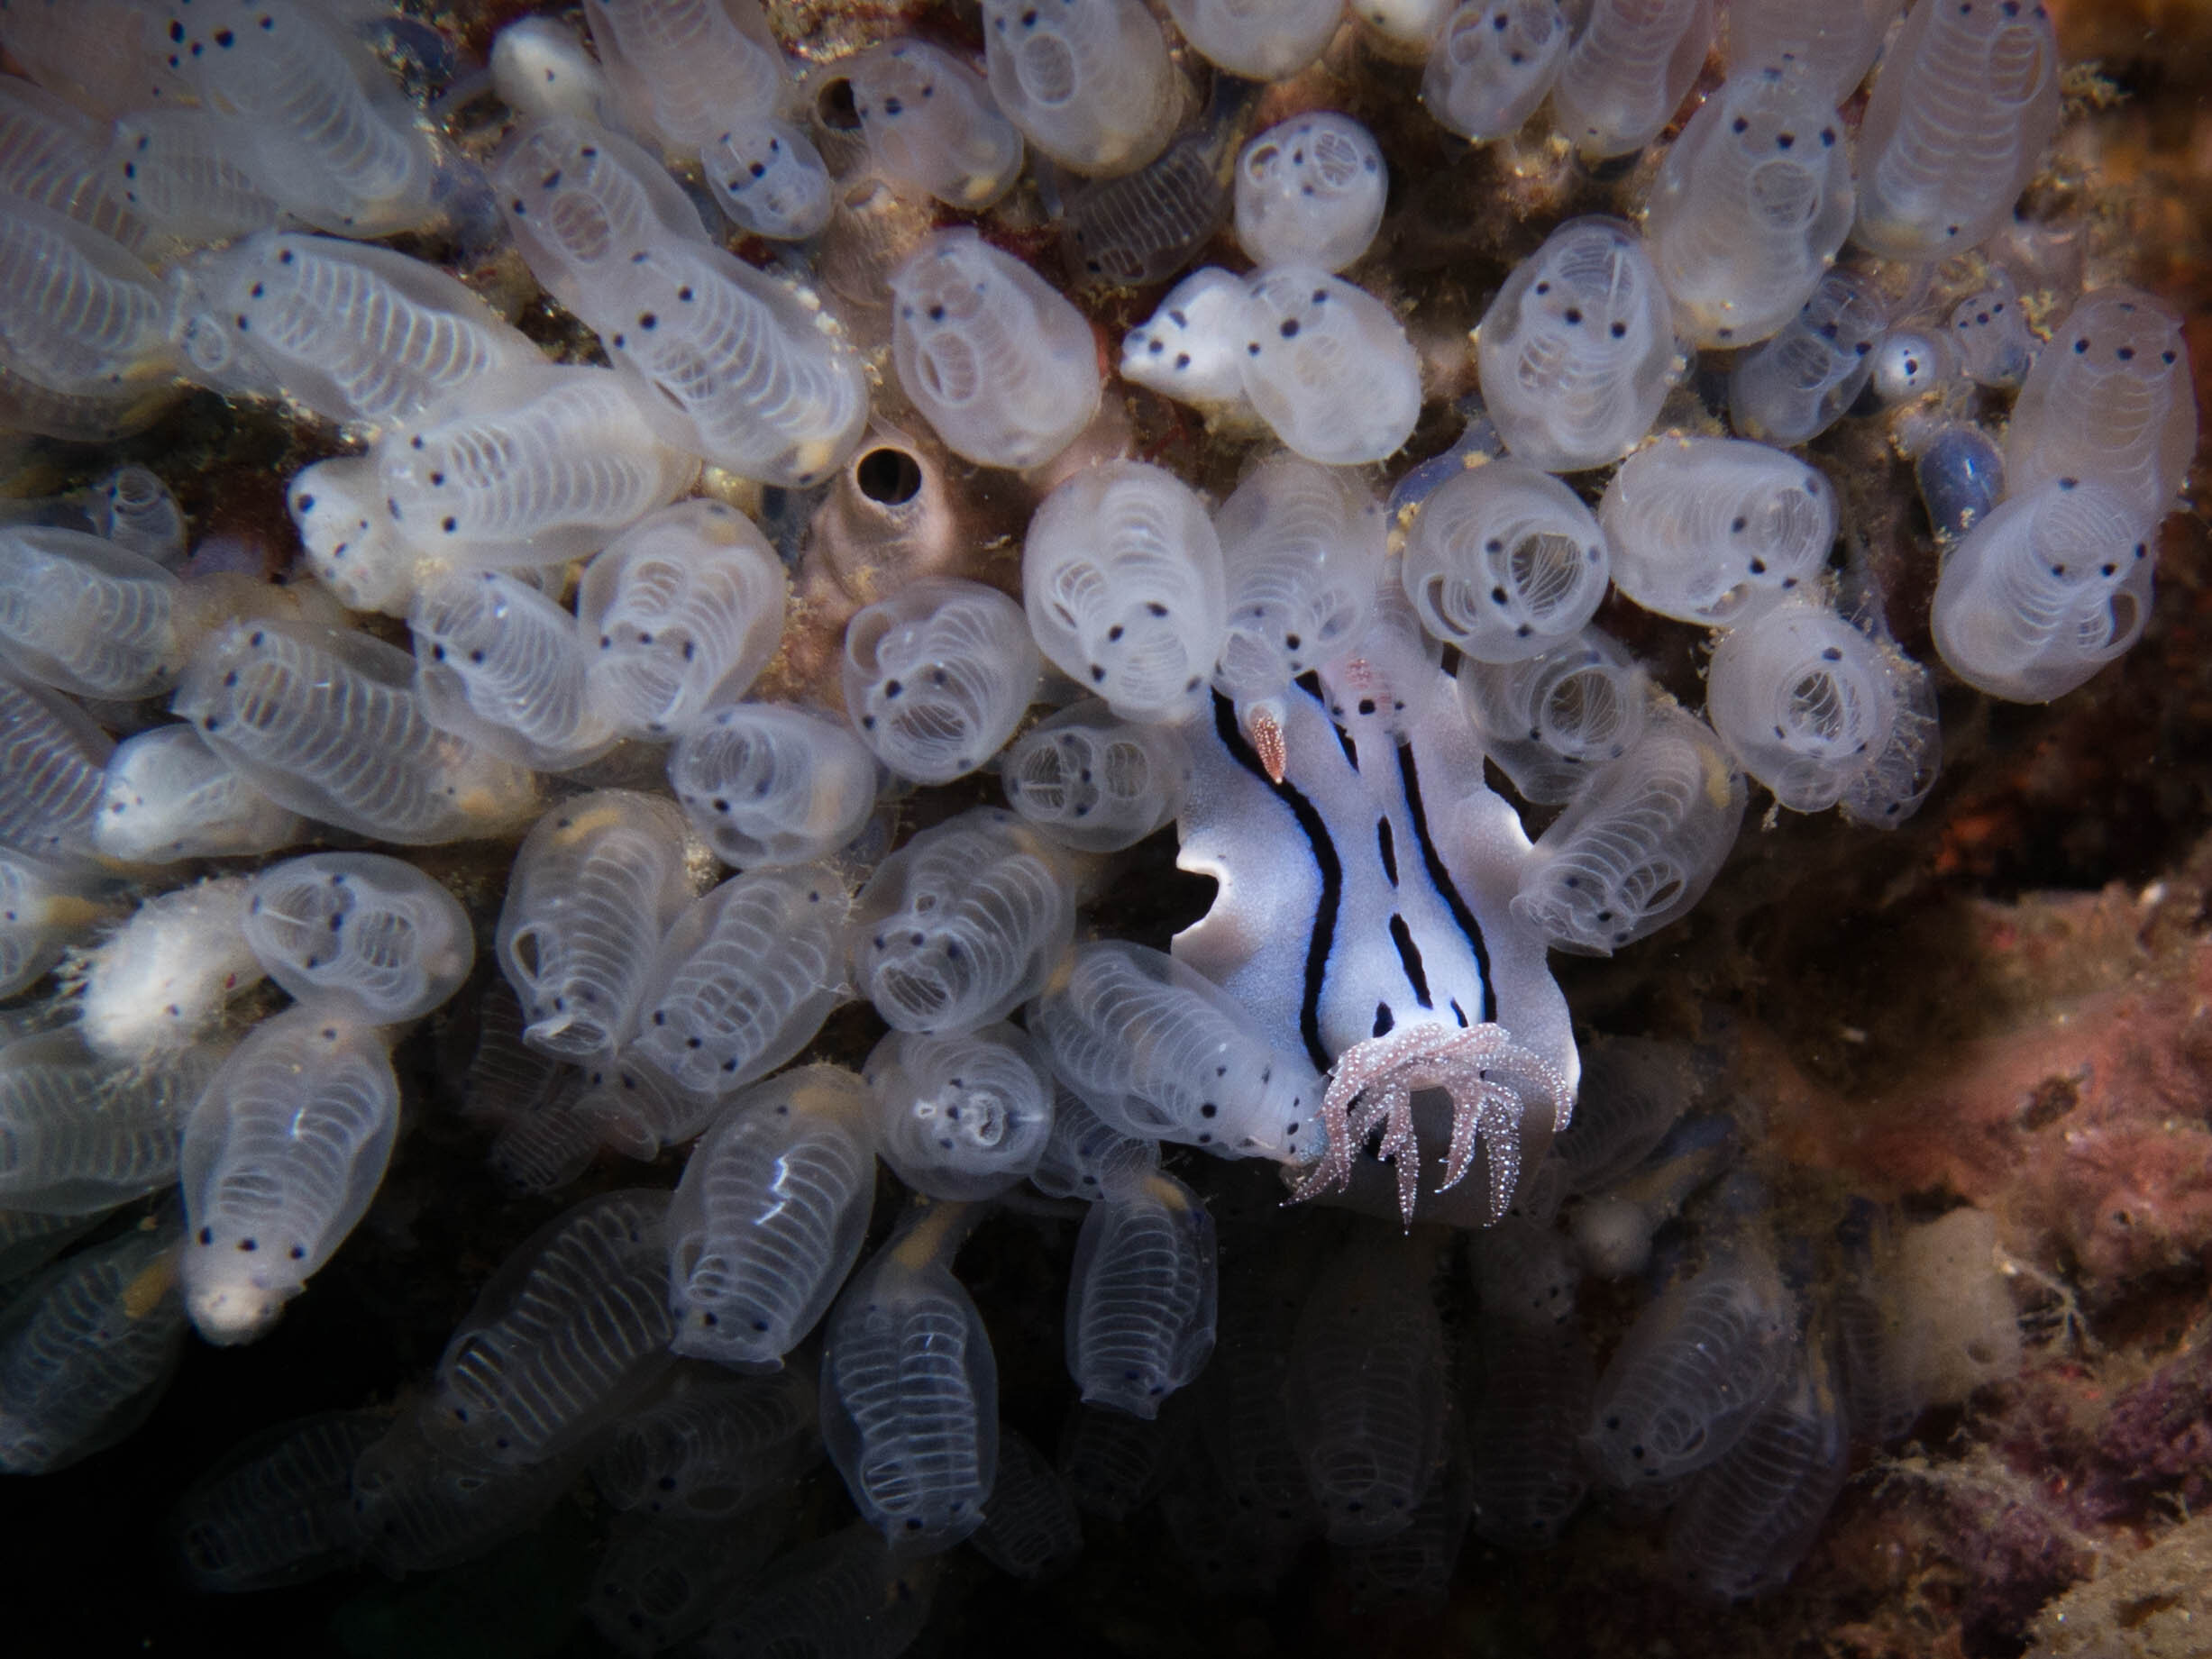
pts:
pixel 1364 900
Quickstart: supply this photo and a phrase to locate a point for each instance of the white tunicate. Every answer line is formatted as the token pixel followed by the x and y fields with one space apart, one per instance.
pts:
pixel 309 113
pixel 910 1390
pixel 931 123
pixel 1163 1054
pixel 1085 1157
pixel 1716 530
pixel 1121 576
pixel 769 178
pixel 1990 331
pixel 1751 205
pixel 1192 347
pixel 937 676
pixel 81 319
pixel 324 721
pixel 352 331
pixel 1504 562
pixel 1329 366
pixel 1492 63
pixel 80 1133
pixel 1577 350
pixel 572 1328
pixel 1310 191
pixel 767 784
pixel 962 924
pixel 53 771
pixel 713 1445
pixel 1691 1373
pixel 682 69
pixel 1966 100
pixel 770 1216
pixel 1805 701
pixel 742 981
pixel 82 615
pixel 177 170
pixel 1828 49
pixel 680 614
pixel 347 542
pixel 846 1594
pixel 162 979
pixel 135 510
pixel 50 155
pixel 1794 386
pixel 417 1509
pixel 104 56
pixel 2109 400
pixel 1032 1530
pixel 527 466
pixel 359 930
pixel 1087 81
pixel 961 1116
pixel 1640 846
pixel 1004 369
pixel 1141 1295
pixel 540 68
pixel 1745 1523
pixel 277 1508
pixel 1270 42
pixel 581 200
pixel 85 1349
pixel 751 366
pixel 167 797
pixel 1550 721
pixel 596 884
pixel 1093 782
pixel 281 1155
pixel 1911 362
pixel 659 1581
pixel 42 907
pixel 1631 66
pixel 1364 1390
pixel 2046 590
pixel 499 663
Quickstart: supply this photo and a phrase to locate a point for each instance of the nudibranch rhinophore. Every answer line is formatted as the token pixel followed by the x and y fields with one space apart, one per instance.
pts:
pixel 1363 918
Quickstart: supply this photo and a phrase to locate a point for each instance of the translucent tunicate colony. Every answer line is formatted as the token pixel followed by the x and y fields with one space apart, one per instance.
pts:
pixel 769 430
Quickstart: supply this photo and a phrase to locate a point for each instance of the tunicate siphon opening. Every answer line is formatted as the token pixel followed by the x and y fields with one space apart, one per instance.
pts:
pixel 834 107
pixel 889 477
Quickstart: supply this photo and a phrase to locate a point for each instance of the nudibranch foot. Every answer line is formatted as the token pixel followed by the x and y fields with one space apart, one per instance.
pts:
pixel 1493 1082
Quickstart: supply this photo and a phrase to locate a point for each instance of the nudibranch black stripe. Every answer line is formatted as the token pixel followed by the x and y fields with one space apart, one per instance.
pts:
pixel 1441 877
pixel 1322 850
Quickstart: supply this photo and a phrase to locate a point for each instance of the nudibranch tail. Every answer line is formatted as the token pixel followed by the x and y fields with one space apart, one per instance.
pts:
pixel 1494 1084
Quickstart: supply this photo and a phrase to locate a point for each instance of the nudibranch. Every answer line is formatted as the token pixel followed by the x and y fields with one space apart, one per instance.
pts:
pixel 1362 917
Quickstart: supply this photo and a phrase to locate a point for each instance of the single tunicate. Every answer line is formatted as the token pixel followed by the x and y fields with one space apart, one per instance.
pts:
pixel 360 929
pixel 1504 562
pixel 1577 350
pixel 1310 191
pixel 937 676
pixel 767 784
pixel 1003 366
pixel 281 1156
pixel 962 924
pixel 1122 575
pixel 1716 530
